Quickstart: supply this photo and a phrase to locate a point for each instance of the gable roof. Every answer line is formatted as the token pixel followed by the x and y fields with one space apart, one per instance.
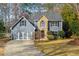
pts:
pixel 52 16
pixel 19 21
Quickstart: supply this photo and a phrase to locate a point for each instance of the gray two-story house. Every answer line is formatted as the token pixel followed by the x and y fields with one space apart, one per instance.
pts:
pixel 24 29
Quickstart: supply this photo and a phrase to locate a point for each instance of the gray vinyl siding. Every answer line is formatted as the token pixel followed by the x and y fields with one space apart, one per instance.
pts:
pixel 29 28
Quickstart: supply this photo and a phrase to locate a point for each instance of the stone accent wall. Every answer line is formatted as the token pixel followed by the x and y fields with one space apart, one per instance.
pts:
pixel 45 29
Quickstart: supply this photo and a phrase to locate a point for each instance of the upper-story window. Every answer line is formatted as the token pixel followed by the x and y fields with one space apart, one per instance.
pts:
pixel 55 23
pixel 23 23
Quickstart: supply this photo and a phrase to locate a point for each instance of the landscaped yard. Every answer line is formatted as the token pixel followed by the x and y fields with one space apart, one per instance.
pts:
pixel 57 48
pixel 51 48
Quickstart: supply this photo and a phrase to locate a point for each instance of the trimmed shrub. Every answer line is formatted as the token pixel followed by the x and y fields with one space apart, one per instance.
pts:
pixel 61 33
pixel 77 33
pixel 50 37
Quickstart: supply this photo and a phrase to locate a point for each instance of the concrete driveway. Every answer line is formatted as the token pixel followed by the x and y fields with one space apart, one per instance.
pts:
pixel 21 48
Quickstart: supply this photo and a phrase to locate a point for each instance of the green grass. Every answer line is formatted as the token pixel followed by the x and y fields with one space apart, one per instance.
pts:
pixel 57 48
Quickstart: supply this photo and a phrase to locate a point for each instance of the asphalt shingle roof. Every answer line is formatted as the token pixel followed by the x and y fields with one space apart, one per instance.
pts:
pixel 52 16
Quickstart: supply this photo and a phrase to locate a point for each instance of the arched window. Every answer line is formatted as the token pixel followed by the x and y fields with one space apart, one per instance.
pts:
pixel 42 24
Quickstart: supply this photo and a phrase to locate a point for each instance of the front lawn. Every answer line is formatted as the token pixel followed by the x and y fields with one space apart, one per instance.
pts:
pixel 57 48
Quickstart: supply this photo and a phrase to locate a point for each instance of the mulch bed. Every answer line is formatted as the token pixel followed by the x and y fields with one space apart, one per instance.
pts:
pixel 3 42
pixel 74 42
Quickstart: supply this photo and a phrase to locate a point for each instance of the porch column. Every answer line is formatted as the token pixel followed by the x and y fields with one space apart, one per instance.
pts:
pixel 31 36
pixel 22 35
pixel 18 35
pixel 27 36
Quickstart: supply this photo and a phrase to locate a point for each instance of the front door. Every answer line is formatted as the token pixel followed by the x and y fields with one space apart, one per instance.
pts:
pixel 42 34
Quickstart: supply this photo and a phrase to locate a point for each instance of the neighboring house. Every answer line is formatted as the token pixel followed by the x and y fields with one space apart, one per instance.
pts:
pixel 47 21
pixel 22 29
